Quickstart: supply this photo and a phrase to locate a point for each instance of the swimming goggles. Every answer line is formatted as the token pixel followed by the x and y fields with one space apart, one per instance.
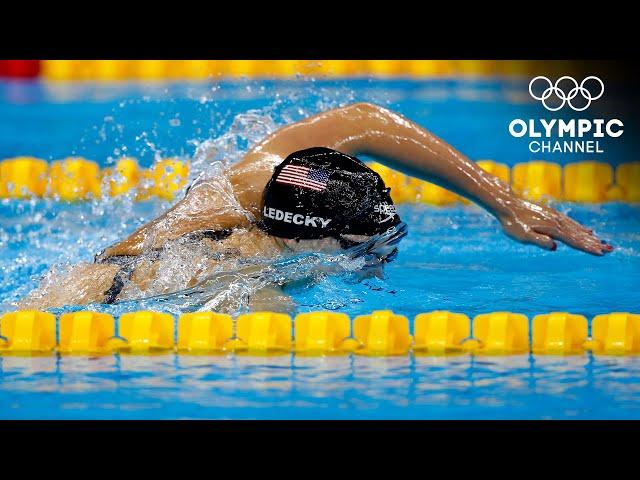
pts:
pixel 382 247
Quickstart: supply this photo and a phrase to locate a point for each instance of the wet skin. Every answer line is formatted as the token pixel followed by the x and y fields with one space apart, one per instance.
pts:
pixel 234 200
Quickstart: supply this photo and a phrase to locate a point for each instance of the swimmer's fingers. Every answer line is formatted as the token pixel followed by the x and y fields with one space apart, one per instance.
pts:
pixel 572 233
pixel 525 234
pixel 541 240
pixel 579 242
pixel 541 225
pixel 588 245
pixel 578 239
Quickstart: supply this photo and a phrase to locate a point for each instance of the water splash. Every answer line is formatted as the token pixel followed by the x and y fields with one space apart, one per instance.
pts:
pixel 212 139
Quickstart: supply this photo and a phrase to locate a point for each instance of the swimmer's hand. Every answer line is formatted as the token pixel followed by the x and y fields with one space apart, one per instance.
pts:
pixel 528 222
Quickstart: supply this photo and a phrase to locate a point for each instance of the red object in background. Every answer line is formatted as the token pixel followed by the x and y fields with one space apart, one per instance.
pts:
pixel 19 68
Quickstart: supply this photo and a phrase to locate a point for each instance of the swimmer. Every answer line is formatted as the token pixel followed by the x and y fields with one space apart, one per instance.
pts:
pixel 302 189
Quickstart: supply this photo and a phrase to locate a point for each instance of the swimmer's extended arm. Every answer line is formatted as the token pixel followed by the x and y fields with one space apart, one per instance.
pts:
pixel 401 144
pixel 372 130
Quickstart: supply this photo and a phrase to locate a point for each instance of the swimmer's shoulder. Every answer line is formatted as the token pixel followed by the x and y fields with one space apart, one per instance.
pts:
pixel 251 241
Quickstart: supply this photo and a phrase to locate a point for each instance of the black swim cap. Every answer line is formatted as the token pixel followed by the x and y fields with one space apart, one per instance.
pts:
pixel 318 192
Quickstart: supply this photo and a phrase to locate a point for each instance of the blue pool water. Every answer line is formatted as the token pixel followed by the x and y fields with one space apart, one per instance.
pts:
pixel 454 258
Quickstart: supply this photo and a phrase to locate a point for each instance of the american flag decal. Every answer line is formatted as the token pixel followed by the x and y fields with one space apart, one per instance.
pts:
pixel 313 179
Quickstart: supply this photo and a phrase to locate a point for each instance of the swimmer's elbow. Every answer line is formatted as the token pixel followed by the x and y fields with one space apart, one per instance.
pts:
pixel 365 108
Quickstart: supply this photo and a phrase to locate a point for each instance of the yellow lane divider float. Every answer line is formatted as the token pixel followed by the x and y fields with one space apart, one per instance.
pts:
pixel 152 70
pixel 628 180
pixel 381 333
pixel 169 177
pixel 537 180
pixel 204 332
pixel 144 332
pixel 27 331
pixel 501 333
pixel 559 332
pixel 321 333
pixel 76 178
pixel 616 333
pixel 500 170
pixel 262 333
pixel 86 332
pixel 23 177
pixel 440 332
pixel 588 182
pixel 123 178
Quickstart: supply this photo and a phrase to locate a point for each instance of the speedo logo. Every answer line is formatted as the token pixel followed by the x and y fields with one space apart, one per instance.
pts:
pixel 385 209
pixel 296 218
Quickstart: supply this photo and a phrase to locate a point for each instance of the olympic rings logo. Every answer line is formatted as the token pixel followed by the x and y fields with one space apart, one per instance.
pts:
pixel 565 97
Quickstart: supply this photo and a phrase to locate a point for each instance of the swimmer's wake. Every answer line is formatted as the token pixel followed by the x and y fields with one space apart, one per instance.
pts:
pixel 233 291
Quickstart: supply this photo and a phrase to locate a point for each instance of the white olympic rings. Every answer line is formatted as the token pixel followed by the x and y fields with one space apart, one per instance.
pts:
pixel 562 95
